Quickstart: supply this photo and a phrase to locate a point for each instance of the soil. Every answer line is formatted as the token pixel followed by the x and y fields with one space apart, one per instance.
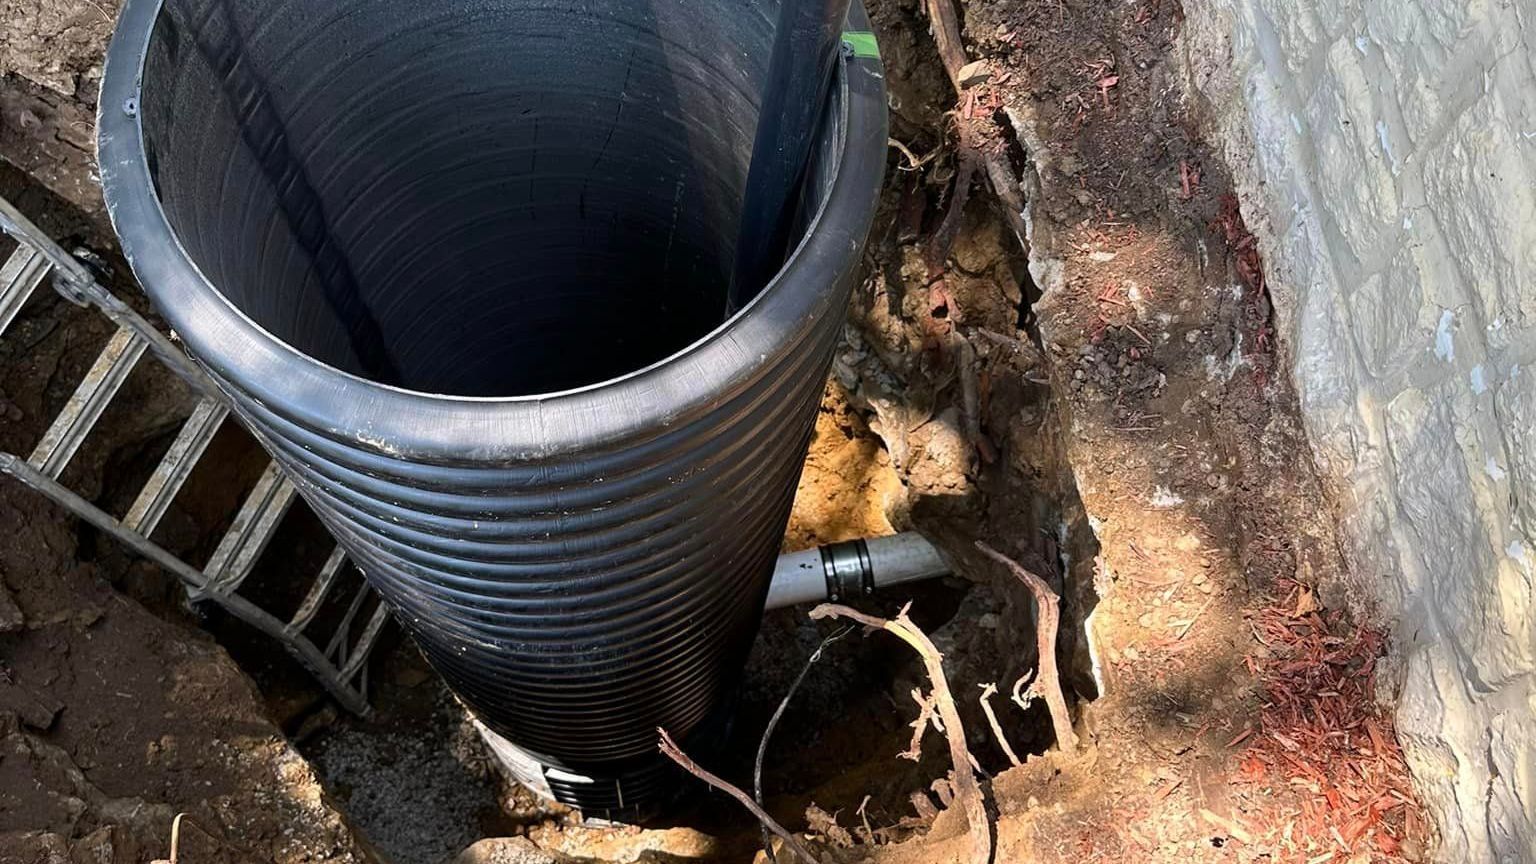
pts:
pixel 114 719
pixel 117 711
pixel 57 44
pixel 848 488
pixel 1239 719
pixel 1105 406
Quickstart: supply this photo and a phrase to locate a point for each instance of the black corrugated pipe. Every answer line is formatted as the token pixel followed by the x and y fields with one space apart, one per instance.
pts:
pixel 459 266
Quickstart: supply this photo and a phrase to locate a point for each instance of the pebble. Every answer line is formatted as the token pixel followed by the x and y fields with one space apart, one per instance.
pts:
pixel 973 73
pixel 1192 336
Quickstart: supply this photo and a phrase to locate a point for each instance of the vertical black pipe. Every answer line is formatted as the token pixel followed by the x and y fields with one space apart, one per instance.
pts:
pixel 806 43
pixel 581 565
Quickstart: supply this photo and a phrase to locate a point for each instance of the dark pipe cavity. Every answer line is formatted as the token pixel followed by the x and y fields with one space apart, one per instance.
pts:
pixel 460 266
pixel 487 199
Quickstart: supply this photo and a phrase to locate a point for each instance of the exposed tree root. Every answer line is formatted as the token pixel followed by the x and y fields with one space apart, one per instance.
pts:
pixel 987 692
pixel 1000 174
pixel 1048 681
pixel 670 749
pixel 965 785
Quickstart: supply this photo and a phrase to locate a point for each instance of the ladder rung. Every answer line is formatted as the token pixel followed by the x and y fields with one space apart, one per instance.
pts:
pixel 337 647
pixel 176 467
pixel 84 408
pixel 20 276
pixel 365 642
pixel 318 591
pixel 254 525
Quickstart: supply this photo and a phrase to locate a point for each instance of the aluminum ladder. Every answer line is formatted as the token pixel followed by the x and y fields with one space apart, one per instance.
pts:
pixel 342 665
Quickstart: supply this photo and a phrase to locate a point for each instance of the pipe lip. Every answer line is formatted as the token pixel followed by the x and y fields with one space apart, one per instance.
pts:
pixel 448 429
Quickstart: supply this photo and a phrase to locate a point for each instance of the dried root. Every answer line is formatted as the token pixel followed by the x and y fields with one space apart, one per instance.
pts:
pixel 987 692
pixel 1048 680
pixel 670 749
pixel 966 789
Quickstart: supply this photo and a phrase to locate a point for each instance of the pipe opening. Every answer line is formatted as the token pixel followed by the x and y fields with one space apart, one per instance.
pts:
pixel 489 198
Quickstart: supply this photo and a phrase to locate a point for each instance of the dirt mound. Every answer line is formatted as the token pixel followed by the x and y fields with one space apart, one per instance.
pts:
pixel 114 720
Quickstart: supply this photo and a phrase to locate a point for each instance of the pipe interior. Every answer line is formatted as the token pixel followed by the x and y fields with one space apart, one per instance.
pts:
pixel 487 198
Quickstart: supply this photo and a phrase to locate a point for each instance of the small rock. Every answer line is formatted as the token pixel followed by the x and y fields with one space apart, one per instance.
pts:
pixel 93 848
pixel 1192 336
pixel 11 618
pixel 973 73
pixel 821 822
pixel 35 710
pixel 507 850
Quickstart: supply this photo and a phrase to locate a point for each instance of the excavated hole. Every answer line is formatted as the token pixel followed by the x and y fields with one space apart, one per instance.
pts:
pixel 418 785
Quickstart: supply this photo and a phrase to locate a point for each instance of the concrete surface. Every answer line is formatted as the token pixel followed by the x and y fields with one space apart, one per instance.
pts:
pixel 1386 151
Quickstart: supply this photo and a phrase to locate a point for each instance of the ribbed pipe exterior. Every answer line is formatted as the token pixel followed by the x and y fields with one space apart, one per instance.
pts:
pixel 577 604
pixel 582 566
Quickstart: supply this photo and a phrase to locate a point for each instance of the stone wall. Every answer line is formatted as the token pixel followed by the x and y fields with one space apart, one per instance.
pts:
pixel 1386 155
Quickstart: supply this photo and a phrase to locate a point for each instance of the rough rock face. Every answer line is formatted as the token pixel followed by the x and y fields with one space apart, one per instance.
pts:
pixel 1385 154
pixel 56 43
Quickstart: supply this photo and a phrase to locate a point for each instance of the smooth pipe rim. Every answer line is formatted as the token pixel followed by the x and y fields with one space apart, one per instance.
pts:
pixel 448 429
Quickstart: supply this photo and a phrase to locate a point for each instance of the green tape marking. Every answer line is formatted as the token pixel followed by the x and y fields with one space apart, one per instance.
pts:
pixel 862 42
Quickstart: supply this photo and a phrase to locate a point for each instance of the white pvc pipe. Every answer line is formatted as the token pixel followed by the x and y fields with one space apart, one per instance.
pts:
pixel 803 577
